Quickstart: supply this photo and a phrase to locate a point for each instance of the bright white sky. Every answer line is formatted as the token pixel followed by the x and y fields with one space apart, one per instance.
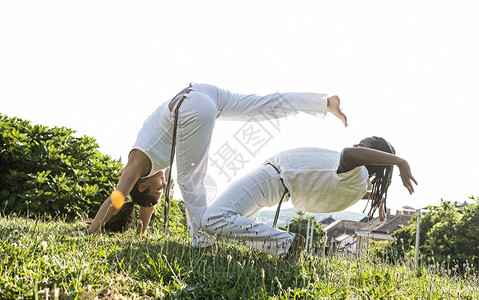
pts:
pixel 404 70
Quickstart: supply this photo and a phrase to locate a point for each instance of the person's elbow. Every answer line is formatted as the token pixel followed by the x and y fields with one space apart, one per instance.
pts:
pixel 347 153
pixel 346 161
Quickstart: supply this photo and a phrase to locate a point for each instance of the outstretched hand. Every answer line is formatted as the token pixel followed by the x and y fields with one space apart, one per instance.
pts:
pixel 406 176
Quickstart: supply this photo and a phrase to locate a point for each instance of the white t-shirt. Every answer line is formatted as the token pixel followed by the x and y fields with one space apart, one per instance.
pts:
pixel 310 174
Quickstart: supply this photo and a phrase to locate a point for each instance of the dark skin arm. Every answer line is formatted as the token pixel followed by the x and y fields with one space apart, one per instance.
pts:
pixel 138 165
pixel 361 156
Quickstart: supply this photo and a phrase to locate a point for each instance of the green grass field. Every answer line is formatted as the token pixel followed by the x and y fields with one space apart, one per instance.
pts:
pixel 39 259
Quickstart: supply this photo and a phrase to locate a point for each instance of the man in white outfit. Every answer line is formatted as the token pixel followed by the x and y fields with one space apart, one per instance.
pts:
pixel 143 178
pixel 317 180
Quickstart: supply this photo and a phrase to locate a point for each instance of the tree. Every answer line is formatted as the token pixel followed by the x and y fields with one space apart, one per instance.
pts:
pixel 448 235
pixel 299 224
pixel 466 243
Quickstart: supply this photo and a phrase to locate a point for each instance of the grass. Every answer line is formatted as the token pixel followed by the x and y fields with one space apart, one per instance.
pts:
pixel 39 260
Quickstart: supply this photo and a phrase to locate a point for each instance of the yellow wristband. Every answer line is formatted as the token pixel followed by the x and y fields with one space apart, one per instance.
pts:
pixel 117 199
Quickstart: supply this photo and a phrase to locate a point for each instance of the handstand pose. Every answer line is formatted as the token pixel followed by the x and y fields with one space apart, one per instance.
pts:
pixel 203 104
pixel 318 180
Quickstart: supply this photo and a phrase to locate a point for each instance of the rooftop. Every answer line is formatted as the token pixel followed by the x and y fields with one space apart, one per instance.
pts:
pixel 392 224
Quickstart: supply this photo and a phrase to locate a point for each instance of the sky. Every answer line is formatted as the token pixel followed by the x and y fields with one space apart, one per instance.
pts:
pixel 404 70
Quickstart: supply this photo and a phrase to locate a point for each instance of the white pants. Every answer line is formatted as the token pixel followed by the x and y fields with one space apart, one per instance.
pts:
pixel 228 216
pixel 196 120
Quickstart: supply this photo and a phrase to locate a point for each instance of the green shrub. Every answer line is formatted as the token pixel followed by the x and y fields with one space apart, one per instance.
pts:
pixel 299 224
pixel 466 242
pixel 49 171
pixel 448 236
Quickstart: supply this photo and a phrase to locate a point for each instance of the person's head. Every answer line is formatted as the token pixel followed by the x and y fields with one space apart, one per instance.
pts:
pixel 381 174
pixel 147 191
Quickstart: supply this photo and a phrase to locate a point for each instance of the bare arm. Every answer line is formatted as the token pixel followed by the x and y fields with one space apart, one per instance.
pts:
pixel 102 216
pixel 144 216
pixel 361 156
pixel 138 165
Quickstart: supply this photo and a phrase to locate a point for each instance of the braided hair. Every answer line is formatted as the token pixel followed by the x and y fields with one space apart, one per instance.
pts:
pixel 382 176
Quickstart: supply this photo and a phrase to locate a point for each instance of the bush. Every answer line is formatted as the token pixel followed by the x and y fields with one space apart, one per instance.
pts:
pixel 448 235
pixel 299 224
pixel 466 242
pixel 49 171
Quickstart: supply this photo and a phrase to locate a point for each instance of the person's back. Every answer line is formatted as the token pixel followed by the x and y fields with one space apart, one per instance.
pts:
pixel 314 185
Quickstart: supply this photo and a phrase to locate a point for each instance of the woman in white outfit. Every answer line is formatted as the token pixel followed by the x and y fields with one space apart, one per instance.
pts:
pixel 317 180
pixel 142 177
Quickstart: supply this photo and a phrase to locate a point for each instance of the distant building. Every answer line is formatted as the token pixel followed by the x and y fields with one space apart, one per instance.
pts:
pixel 461 205
pixel 345 242
pixel 375 230
pixel 364 220
pixel 457 204
pixel 326 221
pixel 341 233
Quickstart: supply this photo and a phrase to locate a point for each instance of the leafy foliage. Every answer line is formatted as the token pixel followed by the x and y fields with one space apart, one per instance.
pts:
pixel 447 235
pixel 50 171
pixel 299 224
pixel 466 241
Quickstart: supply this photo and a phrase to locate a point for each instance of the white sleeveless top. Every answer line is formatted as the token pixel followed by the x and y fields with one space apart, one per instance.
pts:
pixel 314 185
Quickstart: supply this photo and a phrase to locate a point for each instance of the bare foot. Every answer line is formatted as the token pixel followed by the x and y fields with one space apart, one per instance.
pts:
pixel 335 109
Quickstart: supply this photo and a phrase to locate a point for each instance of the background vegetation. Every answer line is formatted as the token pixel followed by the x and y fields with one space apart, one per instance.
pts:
pixel 448 235
pixel 299 224
pixel 48 171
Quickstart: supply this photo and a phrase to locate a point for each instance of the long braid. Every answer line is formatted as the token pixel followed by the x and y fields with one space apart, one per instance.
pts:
pixel 382 177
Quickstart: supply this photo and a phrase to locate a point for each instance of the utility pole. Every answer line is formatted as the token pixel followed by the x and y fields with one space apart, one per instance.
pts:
pixel 307 236
pixel 418 229
pixel 312 233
